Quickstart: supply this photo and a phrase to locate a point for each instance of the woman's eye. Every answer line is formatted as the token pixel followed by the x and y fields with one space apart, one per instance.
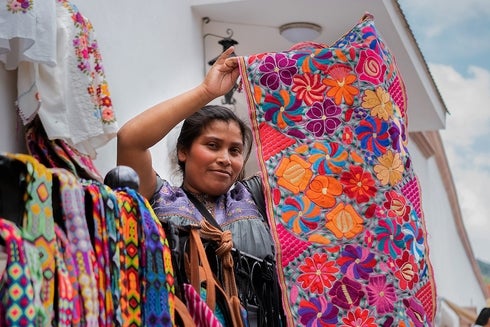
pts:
pixel 236 151
pixel 212 145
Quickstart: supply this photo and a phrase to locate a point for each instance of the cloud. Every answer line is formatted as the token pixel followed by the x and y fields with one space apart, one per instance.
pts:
pixel 467 100
pixel 438 15
pixel 467 149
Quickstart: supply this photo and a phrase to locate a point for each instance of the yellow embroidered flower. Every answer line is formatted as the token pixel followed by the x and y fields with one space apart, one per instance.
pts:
pixel 390 168
pixel 379 103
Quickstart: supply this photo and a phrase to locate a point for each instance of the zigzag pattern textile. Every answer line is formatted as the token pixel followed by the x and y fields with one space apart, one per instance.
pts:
pixel 343 201
pixel 79 253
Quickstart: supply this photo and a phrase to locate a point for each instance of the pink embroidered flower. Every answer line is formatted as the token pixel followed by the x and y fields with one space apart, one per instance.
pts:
pixel 416 312
pixel 381 294
pixel 317 312
pixel 317 273
pixel 359 318
pixel 370 67
pixel 346 293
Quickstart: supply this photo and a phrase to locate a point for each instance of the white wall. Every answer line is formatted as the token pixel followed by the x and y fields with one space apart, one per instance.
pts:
pixel 453 273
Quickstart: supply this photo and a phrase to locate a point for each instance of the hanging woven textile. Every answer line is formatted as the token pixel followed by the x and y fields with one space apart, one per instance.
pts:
pixel 343 201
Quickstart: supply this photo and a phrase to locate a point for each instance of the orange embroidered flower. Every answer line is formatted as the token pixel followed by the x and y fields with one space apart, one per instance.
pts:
pixel 390 168
pixel 341 84
pixel 323 190
pixel 294 173
pixel 309 88
pixel 379 103
pixel 344 221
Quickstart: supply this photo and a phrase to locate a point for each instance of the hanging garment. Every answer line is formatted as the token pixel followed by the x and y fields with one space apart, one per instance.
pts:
pixel 38 226
pixel 57 153
pixel 72 198
pixel 72 98
pixel 27 32
pixel 343 200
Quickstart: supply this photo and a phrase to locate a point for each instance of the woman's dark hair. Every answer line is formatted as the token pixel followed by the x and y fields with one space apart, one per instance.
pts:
pixel 194 125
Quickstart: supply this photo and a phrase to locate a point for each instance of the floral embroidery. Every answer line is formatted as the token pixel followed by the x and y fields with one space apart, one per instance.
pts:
pixel 373 135
pixel 309 88
pixel 344 221
pixel 346 293
pixel 324 118
pixel 341 84
pixel 300 215
pixel 282 109
pixel 379 102
pixel 381 295
pixel 356 262
pixel 323 190
pixel 370 67
pixel 390 237
pixel 317 312
pixel 277 69
pixel 317 273
pixel 89 60
pixel 407 272
pixel 338 169
pixel 390 168
pixel 359 318
pixel 328 158
pixel 15 6
pixel 358 184
pixel 294 173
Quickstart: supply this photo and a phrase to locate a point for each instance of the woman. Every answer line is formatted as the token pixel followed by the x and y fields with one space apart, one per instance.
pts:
pixel 211 150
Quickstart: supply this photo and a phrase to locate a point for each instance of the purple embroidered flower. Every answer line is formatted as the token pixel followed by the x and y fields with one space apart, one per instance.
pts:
pixel 356 262
pixel 324 118
pixel 346 293
pixel 317 312
pixel 381 294
pixel 277 69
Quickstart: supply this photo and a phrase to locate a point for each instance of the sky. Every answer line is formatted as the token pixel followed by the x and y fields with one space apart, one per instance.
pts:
pixel 454 37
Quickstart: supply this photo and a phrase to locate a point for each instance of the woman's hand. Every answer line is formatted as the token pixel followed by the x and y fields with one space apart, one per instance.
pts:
pixel 222 76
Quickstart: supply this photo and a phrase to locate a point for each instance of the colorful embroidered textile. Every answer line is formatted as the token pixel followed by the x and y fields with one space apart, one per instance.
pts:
pixel 65 248
pixel 65 294
pixel 100 240
pixel 156 265
pixel 130 282
pixel 77 232
pixel 16 291
pixel 57 153
pixel 202 315
pixel 343 200
pixel 27 32
pixel 38 225
pixel 72 98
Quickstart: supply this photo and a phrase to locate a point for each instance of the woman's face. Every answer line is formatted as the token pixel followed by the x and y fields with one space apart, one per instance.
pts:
pixel 215 159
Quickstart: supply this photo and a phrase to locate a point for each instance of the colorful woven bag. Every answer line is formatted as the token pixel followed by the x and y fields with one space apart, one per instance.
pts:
pixel 343 201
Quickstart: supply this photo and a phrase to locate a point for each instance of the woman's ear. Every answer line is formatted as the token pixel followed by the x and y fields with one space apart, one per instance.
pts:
pixel 181 155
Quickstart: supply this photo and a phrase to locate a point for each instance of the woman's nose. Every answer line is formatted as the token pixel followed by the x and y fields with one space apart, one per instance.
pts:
pixel 224 158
